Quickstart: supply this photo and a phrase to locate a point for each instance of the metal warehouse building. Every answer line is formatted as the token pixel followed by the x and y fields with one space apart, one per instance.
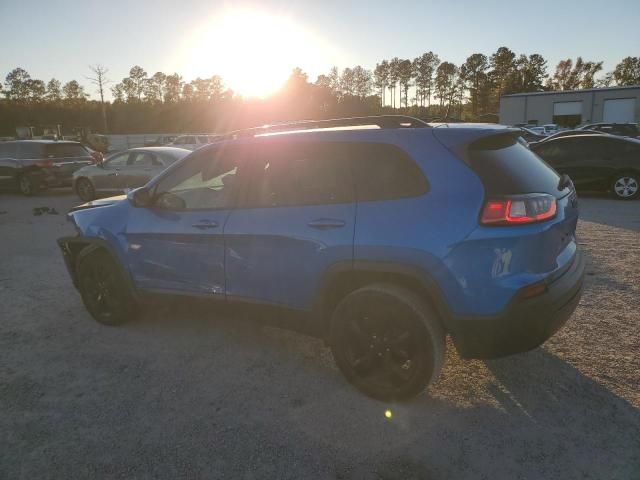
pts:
pixel 572 107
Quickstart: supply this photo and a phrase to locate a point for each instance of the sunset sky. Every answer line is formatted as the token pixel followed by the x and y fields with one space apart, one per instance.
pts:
pixel 253 46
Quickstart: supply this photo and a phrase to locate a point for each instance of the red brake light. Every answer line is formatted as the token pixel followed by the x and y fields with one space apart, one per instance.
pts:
pixel 518 210
pixel 44 163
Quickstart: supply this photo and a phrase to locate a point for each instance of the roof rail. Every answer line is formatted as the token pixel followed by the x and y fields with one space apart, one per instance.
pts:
pixel 382 121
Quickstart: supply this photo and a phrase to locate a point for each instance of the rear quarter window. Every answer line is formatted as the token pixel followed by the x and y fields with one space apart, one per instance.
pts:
pixel 30 150
pixel 385 172
pixel 60 150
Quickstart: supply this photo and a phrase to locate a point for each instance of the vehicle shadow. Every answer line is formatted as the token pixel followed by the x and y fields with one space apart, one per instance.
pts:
pixel 531 415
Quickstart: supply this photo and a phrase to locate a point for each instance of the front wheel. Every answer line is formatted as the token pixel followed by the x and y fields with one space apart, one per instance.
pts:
pixel 387 342
pixel 626 186
pixel 103 289
pixel 85 190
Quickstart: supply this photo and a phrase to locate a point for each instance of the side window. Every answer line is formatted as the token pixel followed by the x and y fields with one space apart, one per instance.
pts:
pixel 553 150
pixel 300 174
pixel 117 161
pixel 204 182
pixel 30 150
pixel 8 150
pixel 189 140
pixel 384 172
pixel 141 159
pixel 66 150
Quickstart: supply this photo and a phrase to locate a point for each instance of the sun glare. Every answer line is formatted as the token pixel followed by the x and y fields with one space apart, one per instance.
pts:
pixel 253 51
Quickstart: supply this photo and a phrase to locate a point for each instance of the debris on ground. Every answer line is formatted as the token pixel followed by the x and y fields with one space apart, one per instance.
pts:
pixel 37 211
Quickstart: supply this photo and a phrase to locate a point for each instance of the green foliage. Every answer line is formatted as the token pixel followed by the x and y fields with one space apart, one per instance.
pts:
pixel 570 77
pixel 166 103
pixel 627 72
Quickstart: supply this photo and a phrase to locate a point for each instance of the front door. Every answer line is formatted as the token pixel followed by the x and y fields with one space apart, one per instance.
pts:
pixel 107 177
pixel 177 244
pixel 295 219
pixel 141 167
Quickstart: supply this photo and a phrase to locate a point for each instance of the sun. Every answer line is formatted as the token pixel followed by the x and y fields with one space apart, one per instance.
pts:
pixel 254 51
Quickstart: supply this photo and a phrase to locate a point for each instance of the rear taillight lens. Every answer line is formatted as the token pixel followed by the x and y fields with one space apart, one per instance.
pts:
pixel 44 163
pixel 518 210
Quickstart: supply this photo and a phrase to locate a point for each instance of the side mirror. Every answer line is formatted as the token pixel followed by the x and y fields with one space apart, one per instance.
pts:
pixel 170 201
pixel 140 197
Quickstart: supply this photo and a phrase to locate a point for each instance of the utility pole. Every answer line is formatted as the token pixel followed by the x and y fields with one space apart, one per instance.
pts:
pixel 100 80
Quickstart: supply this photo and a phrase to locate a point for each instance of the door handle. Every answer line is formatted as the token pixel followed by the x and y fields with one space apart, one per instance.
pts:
pixel 204 224
pixel 326 223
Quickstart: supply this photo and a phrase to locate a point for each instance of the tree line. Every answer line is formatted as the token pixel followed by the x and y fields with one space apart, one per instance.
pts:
pixel 425 86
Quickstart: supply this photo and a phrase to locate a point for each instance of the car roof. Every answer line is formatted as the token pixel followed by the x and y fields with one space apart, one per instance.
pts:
pixel 605 138
pixel 160 149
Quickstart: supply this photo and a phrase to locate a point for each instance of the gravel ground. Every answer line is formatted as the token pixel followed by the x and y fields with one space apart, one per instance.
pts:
pixel 206 394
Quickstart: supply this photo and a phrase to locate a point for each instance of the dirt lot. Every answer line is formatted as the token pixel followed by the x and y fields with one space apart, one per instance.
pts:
pixel 182 394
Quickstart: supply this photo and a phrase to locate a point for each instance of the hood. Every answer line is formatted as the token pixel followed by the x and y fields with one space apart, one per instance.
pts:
pixel 100 202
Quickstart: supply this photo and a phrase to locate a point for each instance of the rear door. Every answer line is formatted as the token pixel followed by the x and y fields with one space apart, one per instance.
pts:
pixel 296 219
pixel 602 155
pixel 67 158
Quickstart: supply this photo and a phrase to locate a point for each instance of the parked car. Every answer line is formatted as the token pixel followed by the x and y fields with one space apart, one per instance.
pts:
pixel 567 133
pixel 161 140
pixel 550 128
pixel 596 162
pixel 531 136
pixel 621 129
pixel 123 171
pixel 191 142
pixel 385 239
pixel 537 131
pixel 32 165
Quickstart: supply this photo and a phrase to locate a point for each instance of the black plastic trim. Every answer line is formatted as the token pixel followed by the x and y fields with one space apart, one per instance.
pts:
pixel 91 244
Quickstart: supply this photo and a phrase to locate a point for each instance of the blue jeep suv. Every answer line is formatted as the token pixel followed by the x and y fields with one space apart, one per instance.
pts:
pixel 386 233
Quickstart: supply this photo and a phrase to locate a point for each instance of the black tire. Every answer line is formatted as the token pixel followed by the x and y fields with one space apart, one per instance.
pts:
pixel 26 185
pixel 626 186
pixel 103 290
pixel 85 190
pixel 387 342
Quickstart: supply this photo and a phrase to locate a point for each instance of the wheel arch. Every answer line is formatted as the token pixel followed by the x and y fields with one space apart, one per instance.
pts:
pixel 74 249
pixel 344 278
pixel 82 177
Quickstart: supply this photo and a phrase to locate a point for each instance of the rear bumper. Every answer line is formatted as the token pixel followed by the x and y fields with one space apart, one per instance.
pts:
pixel 525 324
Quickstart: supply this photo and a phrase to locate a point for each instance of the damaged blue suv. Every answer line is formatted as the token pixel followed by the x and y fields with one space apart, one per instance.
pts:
pixel 386 233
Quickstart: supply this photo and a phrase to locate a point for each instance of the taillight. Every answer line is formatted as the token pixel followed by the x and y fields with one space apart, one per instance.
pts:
pixel 44 163
pixel 518 210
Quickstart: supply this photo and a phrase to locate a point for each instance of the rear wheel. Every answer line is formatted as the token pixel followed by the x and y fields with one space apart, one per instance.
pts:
pixel 387 342
pixel 626 186
pixel 103 289
pixel 85 190
pixel 26 185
